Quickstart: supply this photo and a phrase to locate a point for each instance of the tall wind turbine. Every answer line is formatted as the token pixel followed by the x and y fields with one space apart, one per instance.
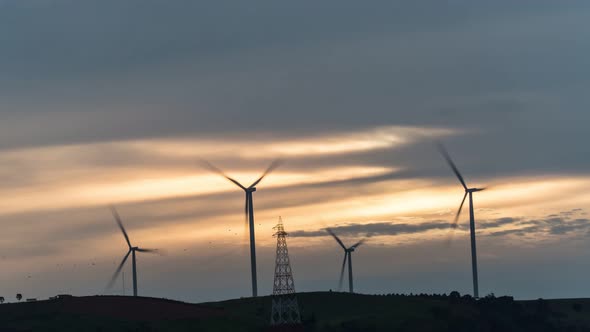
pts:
pixel 347 255
pixel 249 213
pixel 131 252
pixel 468 191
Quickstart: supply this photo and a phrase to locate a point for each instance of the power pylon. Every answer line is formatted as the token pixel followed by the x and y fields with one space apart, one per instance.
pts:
pixel 285 310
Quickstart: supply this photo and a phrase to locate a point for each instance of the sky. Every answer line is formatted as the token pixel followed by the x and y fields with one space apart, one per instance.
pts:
pixel 119 102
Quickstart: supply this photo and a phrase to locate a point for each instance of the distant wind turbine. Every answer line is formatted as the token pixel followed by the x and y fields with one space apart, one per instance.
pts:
pixel 347 255
pixel 131 251
pixel 468 191
pixel 249 213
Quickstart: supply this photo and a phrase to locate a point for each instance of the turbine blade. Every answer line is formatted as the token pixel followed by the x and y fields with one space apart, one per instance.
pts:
pixel 214 169
pixel 454 225
pixel 151 251
pixel 446 155
pixel 459 211
pixel 120 223
pixel 356 245
pixel 276 163
pixel 342 271
pixel 116 274
pixel 336 238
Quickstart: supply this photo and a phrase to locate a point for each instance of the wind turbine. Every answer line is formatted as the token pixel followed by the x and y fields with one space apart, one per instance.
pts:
pixel 249 213
pixel 468 191
pixel 347 255
pixel 131 251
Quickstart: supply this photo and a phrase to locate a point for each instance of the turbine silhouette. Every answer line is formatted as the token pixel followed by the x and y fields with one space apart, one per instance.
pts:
pixel 132 251
pixel 249 213
pixel 468 191
pixel 347 255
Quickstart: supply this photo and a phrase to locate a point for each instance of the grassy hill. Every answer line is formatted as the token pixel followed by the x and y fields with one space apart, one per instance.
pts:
pixel 321 311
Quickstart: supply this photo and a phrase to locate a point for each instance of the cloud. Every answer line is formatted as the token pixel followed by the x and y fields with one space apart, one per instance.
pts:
pixel 395 228
pixel 218 77
pixel 497 223
pixel 324 145
pixel 93 174
pixel 376 229
pixel 495 227
pixel 559 224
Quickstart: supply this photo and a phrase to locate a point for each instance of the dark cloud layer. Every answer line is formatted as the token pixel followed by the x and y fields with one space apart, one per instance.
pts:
pixel 554 226
pixel 549 225
pixel 513 74
pixel 376 229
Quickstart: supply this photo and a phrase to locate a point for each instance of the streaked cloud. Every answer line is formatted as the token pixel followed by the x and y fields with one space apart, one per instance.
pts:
pixel 377 229
pixel 378 138
pixel 539 228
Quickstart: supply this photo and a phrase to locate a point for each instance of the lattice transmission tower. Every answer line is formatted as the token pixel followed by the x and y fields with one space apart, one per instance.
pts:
pixel 285 310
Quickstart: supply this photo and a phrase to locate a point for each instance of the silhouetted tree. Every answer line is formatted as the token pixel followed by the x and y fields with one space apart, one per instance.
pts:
pixel 1 299
pixel 467 297
pixel 455 295
pixel 19 296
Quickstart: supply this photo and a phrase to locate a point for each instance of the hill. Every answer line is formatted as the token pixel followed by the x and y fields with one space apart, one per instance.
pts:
pixel 111 313
pixel 321 311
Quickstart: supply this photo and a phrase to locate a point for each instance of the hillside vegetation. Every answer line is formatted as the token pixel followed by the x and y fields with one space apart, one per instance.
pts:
pixel 321 311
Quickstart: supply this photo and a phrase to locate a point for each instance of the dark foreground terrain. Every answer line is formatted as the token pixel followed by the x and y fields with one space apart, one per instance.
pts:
pixel 323 311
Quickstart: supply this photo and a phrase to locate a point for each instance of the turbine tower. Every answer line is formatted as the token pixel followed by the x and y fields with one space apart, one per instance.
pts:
pixel 249 213
pixel 468 191
pixel 132 251
pixel 347 256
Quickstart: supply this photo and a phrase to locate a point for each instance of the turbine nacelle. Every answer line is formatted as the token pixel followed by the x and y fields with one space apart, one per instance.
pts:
pixel 251 190
pixel 474 190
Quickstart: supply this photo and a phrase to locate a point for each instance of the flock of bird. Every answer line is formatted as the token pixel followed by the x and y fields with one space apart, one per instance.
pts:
pixel 249 214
